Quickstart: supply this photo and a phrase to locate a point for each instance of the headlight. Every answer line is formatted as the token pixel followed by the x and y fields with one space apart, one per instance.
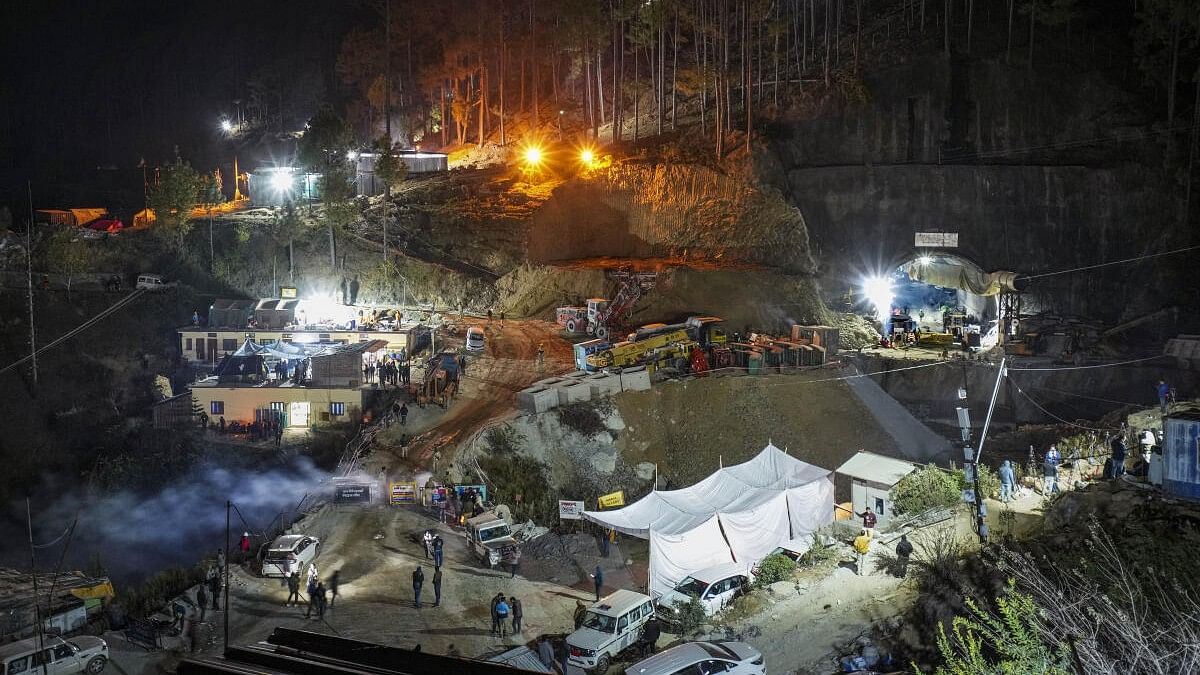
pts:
pixel 758 661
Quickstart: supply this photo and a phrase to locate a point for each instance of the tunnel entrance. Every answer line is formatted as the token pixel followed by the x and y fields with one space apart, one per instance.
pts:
pixel 941 299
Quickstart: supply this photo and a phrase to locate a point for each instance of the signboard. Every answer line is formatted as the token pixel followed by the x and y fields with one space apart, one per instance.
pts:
pixel 287 292
pixel 460 490
pixel 570 510
pixel 352 493
pixel 612 499
pixel 937 240
pixel 402 493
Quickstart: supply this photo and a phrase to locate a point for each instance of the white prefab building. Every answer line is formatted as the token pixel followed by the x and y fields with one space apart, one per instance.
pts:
pixel 737 515
pixel 872 478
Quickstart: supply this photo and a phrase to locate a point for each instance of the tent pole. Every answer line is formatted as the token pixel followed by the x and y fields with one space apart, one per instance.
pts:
pixel 656 476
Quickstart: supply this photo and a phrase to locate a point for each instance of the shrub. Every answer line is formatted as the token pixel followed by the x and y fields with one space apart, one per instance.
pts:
pixel 155 592
pixel 585 418
pixel 775 567
pixel 521 483
pixel 1006 641
pixel 686 617
pixel 819 554
pixel 989 482
pixel 504 440
pixel 924 489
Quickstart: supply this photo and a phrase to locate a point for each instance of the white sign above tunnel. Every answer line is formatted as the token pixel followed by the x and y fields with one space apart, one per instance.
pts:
pixel 937 240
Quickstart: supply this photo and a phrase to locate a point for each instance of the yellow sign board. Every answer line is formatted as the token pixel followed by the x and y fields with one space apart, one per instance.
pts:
pixel 612 499
pixel 287 292
pixel 403 493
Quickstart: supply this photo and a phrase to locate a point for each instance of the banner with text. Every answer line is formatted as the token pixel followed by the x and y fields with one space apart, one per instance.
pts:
pixel 612 499
pixel 570 510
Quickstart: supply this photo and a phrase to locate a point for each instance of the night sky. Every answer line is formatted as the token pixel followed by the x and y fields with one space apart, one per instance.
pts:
pixel 90 84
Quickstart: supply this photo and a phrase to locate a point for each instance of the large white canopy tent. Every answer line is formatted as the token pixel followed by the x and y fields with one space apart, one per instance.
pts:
pixel 739 514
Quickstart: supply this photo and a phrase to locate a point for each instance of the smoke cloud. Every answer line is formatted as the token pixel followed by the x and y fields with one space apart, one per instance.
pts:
pixel 134 535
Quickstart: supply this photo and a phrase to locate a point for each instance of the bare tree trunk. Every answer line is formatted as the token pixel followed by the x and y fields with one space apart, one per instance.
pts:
pixel 503 63
pixel 970 16
pixel 636 93
pixel 827 42
pixel 947 19
pixel 600 86
pixel 700 45
pixel 1172 77
pixel 1032 19
pixel 749 74
pixel 1187 198
pixel 674 67
pixel 533 60
pixel 857 30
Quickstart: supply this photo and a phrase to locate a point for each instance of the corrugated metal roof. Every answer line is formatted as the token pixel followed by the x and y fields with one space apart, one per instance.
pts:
pixel 1184 411
pixel 876 468
pixel 522 657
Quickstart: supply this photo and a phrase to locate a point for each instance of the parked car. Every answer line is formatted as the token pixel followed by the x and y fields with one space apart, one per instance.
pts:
pixel 153 282
pixel 703 658
pixel 610 626
pixel 290 553
pixel 488 535
pixel 793 549
pixel 80 654
pixel 715 586
pixel 475 339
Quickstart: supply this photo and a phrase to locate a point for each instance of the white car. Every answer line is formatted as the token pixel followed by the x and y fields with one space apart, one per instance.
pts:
pixel 715 586
pixel 703 658
pixel 475 339
pixel 610 626
pixel 80 654
pixel 290 553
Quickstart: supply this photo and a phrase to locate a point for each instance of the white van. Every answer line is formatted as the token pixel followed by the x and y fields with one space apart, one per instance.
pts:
pixel 80 654
pixel 715 586
pixel 151 282
pixel 475 339
pixel 609 627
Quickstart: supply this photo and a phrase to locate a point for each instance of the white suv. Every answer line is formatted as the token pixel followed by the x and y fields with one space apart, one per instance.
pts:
pixel 290 553
pixel 80 654
pixel 609 627
pixel 703 658
pixel 715 586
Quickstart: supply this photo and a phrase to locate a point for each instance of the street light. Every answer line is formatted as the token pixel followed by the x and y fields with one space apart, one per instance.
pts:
pixel 533 155
pixel 878 291
pixel 226 126
pixel 587 156
pixel 924 260
pixel 281 182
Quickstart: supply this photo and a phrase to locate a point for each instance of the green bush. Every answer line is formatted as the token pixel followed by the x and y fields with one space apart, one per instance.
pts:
pixel 686 617
pixel 775 567
pixel 155 592
pixel 819 554
pixel 521 483
pixel 503 440
pixel 1005 641
pixel 989 482
pixel 926 488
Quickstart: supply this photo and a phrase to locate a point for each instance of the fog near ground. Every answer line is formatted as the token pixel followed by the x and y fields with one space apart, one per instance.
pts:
pixel 133 535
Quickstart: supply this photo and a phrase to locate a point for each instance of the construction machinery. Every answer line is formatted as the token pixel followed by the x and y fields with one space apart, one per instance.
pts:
pixel 441 380
pixel 657 344
pixel 602 316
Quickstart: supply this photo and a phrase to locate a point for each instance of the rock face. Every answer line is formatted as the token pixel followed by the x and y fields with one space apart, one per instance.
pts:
pixel 1009 160
pixel 680 212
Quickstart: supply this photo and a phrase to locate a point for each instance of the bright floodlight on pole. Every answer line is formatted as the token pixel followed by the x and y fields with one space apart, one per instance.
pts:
pixel 226 126
pixel 533 155
pixel 924 260
pixel 587 156
pixel 281 181
pixel 878 291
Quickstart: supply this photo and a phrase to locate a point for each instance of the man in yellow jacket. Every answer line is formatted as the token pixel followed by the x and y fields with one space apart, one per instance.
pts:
pixel 862 544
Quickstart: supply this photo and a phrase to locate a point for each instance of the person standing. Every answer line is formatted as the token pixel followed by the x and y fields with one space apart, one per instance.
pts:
pixel 403 414
pixel 546 653
pixel 214 589
pixel 495 620
pixel 201 601
pixel 650 634
pixel 221 561
pixel 437 551
pixel 418 577
pixel 1118 456
pixel 598 580
pixel 244 545
pixel 862 546
pixel 293 582
pixel 437 586
pixel 312 599
pixel 1008 481
pixel 1050 476
pixel 321 601
pixel 517 614
pixel 541 354
pixel 869 520
pixel 502 611
pixel 312 578
pixel 333 587
pixel 1164 393
pixel 903 550
pixel 580 611
pixel 427 540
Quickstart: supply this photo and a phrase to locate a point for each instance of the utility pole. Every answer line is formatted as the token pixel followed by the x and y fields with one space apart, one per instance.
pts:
pixel 29 279
pixel 971 455
pixel 225 573
pixel 37 601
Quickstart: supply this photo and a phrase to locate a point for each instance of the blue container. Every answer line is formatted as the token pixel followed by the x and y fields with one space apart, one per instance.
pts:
pixel 1181 454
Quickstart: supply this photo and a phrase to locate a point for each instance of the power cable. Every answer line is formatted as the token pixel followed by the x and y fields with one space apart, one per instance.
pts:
pixel 1106 264
pixel 1090 398
pixel 1099 365
pixel 78 329
pixel 1047 412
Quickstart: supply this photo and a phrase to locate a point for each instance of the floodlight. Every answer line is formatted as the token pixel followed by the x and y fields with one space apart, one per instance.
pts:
pixel 533 155
pixel 925 260
pixel 226 125
pixel 587 156
pixel 878 290
pixel 281 182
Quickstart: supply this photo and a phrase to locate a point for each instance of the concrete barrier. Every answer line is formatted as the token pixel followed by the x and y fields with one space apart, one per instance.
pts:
pixel 576 393
pixel 636 378
pixel 537 399
pixel 604 384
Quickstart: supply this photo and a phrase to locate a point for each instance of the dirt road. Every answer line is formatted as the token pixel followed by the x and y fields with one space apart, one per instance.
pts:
pixel 488 394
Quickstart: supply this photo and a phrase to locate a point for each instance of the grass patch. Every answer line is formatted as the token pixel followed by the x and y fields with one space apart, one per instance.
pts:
pixel 744 607
pixel 153 594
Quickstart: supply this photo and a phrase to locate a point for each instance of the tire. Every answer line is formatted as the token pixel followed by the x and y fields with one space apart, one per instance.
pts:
pixel 602 332
pixel 601 665
pixel 572 327
pixel 96 665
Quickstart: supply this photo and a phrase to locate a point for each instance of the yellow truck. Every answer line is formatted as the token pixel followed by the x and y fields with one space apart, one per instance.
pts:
pixel 629 352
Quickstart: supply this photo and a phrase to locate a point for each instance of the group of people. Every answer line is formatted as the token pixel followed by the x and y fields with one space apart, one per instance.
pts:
pixel 320 595
pixel 502 609
pixel 862 545
pixel 389 371
pixel 432 543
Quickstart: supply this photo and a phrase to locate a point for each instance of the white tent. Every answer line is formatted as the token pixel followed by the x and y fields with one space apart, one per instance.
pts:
pixel 738 514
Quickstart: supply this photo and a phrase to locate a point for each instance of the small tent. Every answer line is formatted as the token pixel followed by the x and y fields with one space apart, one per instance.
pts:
pixel 739 514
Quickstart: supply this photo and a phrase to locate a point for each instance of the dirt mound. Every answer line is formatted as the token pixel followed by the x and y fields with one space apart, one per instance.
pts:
pixel 683 211
pixel 764 300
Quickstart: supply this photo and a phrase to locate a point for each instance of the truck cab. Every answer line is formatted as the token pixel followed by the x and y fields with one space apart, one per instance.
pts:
pixel 489 537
